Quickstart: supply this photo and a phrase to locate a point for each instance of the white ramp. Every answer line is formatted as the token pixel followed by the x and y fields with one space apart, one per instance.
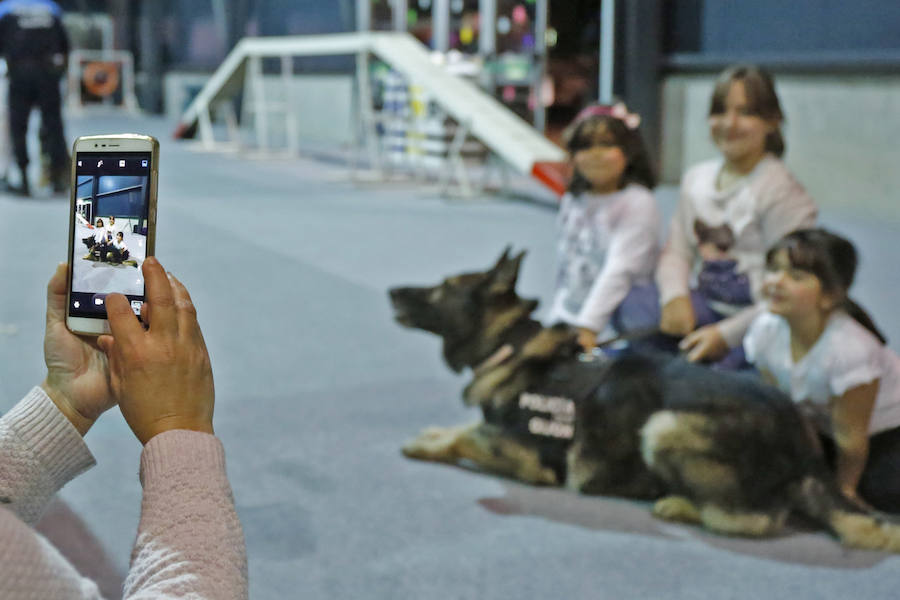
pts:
pixel 486 119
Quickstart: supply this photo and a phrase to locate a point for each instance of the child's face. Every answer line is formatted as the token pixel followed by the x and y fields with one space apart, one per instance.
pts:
pixel 739 135
pixel 793 292
pixel 603 162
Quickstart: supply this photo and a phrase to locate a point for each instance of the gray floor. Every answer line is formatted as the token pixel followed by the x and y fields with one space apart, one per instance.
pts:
pixel 288 263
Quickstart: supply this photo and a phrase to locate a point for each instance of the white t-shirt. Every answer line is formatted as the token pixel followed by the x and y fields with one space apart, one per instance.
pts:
pixel 607 243
pixel 845 356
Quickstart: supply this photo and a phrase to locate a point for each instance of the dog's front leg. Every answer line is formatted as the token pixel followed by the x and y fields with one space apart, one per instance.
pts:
pixel 485 446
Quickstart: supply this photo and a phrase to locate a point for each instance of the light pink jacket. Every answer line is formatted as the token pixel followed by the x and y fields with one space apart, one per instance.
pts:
pixel 189 540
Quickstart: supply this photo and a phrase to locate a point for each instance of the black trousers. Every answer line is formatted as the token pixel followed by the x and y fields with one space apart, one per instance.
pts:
pixel 32 86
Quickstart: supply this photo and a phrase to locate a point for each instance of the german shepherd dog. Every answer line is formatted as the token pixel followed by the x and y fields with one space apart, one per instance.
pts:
pixel 722 450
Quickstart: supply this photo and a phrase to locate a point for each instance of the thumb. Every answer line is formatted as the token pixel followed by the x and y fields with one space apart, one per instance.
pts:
pixel 56 295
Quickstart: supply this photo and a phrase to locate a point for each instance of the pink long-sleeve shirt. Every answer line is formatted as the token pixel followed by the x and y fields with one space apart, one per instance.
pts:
pixel 189 540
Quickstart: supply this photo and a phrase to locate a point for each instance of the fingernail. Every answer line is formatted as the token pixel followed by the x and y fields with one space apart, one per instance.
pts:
pixel 152 260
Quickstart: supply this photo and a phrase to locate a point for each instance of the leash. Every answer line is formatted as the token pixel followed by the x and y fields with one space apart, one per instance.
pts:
pixel 630 336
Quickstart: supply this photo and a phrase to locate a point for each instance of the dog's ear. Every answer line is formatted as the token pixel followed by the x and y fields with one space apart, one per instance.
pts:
pixel 505 273
pixel 503 258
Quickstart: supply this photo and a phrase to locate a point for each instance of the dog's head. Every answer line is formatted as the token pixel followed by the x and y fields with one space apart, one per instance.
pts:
pixel 467 311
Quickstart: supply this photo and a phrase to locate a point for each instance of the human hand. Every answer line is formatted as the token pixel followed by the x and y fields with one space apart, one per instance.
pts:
pixel 677 317
pixel 587 339
pixel 77 375
pixel 705 343
pixel 161 376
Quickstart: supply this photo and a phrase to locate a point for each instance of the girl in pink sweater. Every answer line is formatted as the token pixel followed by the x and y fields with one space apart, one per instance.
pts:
pixel 189 541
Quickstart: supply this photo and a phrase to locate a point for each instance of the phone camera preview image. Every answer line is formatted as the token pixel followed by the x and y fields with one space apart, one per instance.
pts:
pixel 110 241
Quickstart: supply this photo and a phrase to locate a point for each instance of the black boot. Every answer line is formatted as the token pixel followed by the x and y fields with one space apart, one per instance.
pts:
pixel 22 189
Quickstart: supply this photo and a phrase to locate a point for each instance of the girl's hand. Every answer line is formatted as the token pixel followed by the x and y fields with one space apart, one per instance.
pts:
pixel 704 344
pixel 77 376
pixel 587 339
pixel 678 317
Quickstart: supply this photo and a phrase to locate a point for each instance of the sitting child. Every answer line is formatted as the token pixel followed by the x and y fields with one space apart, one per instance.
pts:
pixel 609 221
pixel 118 251
pixel 823 350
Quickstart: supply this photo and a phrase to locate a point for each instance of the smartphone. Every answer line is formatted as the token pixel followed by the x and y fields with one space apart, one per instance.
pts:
pixel 112 225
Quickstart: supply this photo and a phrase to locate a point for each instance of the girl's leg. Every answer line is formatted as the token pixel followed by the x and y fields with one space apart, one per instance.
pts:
pixel 639 309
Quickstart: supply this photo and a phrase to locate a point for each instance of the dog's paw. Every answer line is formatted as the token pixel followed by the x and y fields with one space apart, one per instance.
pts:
pixel 676 508
pixel 434 443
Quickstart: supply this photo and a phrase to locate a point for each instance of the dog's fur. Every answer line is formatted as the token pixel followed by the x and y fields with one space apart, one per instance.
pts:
pixel 723 450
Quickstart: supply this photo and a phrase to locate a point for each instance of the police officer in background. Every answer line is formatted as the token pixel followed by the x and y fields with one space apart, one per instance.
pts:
pixel 36 48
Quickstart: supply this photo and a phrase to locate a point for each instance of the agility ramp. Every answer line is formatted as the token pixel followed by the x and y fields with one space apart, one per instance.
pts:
pixel 477 113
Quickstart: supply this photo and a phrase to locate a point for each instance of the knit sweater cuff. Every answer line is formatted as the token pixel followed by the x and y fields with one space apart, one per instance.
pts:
pixel 180 449
pixel 55 442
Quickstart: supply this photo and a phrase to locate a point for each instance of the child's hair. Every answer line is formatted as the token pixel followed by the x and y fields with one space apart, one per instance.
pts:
pixel 832 259
pixel 762 100
pixel 601 121
pixel 120 234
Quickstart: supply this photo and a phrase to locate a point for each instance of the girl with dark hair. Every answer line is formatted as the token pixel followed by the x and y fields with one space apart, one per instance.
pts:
pixel 609 222
pixel 732 208
pixel 822 349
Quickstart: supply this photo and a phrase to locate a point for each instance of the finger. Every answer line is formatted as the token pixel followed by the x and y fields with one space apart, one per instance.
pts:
pixel 689 341
pixel 697 353
pixel 106 343
pixel 56 295
pixel 159 294
pixel 187 312
pixel 145 314
pixel 123 323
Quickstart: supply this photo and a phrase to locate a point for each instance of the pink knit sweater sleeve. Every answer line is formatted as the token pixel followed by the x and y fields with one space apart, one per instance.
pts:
pixel 189 541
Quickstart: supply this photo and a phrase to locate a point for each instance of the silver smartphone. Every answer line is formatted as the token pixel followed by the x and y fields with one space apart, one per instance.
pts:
pixel 112 225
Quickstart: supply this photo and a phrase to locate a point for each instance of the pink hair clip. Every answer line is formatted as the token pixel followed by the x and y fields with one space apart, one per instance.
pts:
pixel 617 111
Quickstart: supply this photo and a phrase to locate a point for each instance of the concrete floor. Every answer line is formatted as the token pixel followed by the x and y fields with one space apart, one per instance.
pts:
pixel 288 262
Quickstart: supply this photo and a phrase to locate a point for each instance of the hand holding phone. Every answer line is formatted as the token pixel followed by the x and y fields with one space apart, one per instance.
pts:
pixel 112 225
pixel 161 376
pixel 77 378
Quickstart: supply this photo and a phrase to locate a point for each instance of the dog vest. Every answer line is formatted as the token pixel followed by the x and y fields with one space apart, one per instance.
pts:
pixel 548 410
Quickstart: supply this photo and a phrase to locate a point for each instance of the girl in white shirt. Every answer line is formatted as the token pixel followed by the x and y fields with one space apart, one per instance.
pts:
pixel 731 210
pixel 609 222
pixel 823 350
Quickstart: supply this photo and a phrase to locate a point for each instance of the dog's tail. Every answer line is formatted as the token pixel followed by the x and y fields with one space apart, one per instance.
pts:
pixel 819 498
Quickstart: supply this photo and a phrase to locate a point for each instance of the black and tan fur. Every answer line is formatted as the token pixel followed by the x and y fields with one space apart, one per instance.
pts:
pixel 722 450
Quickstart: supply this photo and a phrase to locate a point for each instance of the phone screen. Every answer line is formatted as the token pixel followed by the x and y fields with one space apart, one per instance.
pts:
pixel 112 191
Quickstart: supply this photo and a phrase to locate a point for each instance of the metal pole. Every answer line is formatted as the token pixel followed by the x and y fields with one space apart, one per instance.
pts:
pixel 440 19
pixel 399 8
pixel 607 50
pixel 363 15
pixel 487 33
pixel 487 41
pixel 540 52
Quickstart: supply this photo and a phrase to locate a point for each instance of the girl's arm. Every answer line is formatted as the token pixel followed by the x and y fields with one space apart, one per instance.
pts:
pixel 633 245
pixel 850 415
